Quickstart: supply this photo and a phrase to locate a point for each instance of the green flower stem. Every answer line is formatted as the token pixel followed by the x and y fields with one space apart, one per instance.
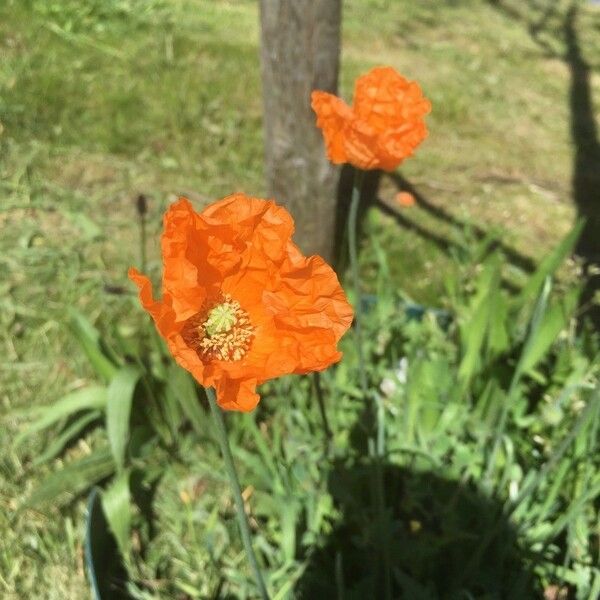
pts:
pixel 236 490
pixel 378 409
pixel 379 452
pixel 321 402
pixel 353 247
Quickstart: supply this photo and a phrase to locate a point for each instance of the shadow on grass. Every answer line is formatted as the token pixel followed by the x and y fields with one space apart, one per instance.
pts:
pixel 433 527
pixel 586 163
pixel 584 133
pixel 344 194
pixel 519 260
pixel 370 197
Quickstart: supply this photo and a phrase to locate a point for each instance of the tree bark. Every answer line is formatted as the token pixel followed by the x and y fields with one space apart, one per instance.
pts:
pixel 300 50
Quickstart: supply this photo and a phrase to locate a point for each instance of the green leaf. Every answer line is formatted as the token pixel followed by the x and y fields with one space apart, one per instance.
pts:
pixel 554 321
pixel 89 339
pixel 498 339
pixel 118 411
pixel 532 343
pixel 182 386
pixel 595 591
pixel 68 433
pixel 89 398
pixel 104 563
pixel 551 263
pixel 475 326
pixel 473 334
pixel 67 483
pixel 265 450
pixel 289 519
pixel 170 408
pixel 116 501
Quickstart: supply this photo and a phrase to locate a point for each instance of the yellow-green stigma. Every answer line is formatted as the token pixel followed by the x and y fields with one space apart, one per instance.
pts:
pixel 221 319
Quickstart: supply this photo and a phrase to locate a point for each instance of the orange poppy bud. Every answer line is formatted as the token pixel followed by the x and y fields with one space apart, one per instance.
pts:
pixel 381 129
pixel 240 303
pixel 405 199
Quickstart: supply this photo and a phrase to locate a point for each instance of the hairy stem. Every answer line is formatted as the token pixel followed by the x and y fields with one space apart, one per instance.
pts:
pixel 236 490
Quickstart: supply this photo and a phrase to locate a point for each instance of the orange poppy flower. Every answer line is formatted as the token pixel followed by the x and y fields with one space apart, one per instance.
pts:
pixel 381 129
pixel 240 303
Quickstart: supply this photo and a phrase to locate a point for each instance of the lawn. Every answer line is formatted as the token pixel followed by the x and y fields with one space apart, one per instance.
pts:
pixel 102 101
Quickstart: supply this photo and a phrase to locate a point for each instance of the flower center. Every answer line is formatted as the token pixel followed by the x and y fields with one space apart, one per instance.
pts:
pixel 226 332
pixel 221 319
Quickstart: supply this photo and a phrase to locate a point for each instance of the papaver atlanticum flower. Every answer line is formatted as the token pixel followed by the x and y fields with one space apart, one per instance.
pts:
pixel 382 128
pixel 240 303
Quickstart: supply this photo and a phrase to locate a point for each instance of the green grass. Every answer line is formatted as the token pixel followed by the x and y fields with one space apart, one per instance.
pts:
pixel 102 100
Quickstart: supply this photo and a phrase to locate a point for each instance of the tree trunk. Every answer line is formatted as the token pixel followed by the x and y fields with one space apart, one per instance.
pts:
pixel 300 52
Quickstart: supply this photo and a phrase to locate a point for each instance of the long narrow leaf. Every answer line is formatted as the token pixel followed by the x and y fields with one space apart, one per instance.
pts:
pixel 116 504
pixel 89 398
pixel 183 388
pixel 551 263
pixel 105 567
pixel 540 310
pixel 78 476
pixel 534 330
pixel 555 320
pixel 89 339
pixel 576 506
pixel 68 433
pixel 118 411
pixel 475 328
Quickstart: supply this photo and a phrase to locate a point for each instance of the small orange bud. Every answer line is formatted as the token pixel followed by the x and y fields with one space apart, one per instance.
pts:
pixel 405 199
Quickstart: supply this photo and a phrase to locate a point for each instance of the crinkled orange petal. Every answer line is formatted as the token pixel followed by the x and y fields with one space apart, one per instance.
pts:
pixel 182 254
pixel 386 100
pixel 332 116
pixel 398 144
pixel 237 394
pixel 163 316
pixel 311 310
pixel 165 320
pixel 261 222
pixel 360 142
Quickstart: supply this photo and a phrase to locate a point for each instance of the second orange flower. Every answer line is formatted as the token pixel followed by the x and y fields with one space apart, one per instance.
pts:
pixel 381 129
